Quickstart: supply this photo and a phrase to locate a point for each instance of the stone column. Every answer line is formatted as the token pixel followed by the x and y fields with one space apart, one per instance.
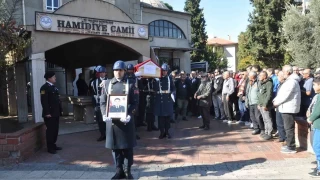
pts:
pixel 22 99
pixel 37 80
pixel 11 91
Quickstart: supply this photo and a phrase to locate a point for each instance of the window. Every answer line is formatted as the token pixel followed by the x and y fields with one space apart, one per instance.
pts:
pixel 162 28
pixel 52 5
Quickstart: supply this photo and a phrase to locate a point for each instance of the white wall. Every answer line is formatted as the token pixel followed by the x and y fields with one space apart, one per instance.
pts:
pixel 230 53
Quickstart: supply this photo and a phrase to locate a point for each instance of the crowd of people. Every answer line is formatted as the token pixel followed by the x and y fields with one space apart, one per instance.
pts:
pixel 266 100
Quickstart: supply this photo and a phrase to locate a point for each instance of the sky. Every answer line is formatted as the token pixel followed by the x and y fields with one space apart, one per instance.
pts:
pixel 223 17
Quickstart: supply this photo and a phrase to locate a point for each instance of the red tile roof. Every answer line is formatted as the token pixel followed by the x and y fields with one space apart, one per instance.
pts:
pixel 219 41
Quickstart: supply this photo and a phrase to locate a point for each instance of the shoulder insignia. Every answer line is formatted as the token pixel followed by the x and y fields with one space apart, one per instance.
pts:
pixel 43 92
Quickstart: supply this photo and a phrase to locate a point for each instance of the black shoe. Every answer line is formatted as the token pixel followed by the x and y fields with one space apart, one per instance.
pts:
pixel 281 140
pixel 52 151
pixel 129 175
pixel 137 137
pixel 154 128
pixel 206 128
pixel 101 138
pixel 119 174
pixel 162 135
pixel 267 137
pixel 172 121
pixel 216 119
pixel 184 119
pixel 255 132
pixel 202 127
pixel 58 148
pixel 142 124
pixel 168 136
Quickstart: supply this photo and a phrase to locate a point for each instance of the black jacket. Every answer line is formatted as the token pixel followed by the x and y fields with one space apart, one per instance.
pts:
pixel 194 85
pixel 219 82
pixel 50 100
pixel 183 89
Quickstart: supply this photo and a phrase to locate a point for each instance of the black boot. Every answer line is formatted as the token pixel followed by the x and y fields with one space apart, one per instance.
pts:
pixel 168 135
pixel 101 138
pixel 128 173
pixel 162 135
pixel 119 174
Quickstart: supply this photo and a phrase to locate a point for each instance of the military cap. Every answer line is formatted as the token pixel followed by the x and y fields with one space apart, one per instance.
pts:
pixel 49 74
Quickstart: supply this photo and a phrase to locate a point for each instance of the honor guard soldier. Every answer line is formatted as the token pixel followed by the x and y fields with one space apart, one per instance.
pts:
pixel 120 133
pixel 51 111
pixel 149 96
pixel 130 74
pixel 163 88
pixel 96 90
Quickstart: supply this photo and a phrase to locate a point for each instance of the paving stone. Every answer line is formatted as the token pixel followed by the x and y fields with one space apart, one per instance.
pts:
pixel 54 174
pixel 72 175
pixel 36 174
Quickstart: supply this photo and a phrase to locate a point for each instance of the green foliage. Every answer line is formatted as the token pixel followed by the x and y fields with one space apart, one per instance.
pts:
pixel 13 38
pixel 263 40
pixel 217 59
pixel 302 33
pixel 168 5
pixel 198 33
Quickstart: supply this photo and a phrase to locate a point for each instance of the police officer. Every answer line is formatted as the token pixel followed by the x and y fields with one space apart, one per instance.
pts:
pixel 164 87
pixel 120 133
pixel 149 95
pixel 51 111
pixel 130 74
pixel 96 90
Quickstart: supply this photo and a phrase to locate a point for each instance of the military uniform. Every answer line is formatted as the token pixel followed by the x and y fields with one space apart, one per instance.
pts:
pixel 164 107
pixel 96 90
pixel 120 137
pixel 51 106
pixel 149 95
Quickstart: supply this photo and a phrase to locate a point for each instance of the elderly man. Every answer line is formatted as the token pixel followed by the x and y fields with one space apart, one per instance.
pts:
pixel 265 103
pixel 227 92
pixel 183 89
pixel 279 120
pixel 307 92
pixel 298 71
pixel 217 96
pixel 252 99
pixel 203 94
pixel 288 101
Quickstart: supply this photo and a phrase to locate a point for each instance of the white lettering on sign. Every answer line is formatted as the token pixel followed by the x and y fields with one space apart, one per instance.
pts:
pixel 149 69
pixel 84 25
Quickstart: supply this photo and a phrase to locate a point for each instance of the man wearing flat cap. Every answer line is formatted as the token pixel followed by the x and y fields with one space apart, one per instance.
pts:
pixel 51 111
pixel 203 95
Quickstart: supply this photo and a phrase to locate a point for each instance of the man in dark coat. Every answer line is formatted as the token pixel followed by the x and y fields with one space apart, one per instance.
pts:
pixel 120 133
pixel 96 90
pixel 82 86
pixel 51 111
pixel 163 88
pixel 148 94
pixel 132 77
pixel 183 88
pixel 195 83
pixel 203 94
pixel 116 107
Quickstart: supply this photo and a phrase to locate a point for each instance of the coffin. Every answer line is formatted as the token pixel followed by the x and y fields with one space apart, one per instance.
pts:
pixel 148 69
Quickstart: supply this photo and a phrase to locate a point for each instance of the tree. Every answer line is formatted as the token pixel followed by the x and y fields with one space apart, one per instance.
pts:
pixel 168 6
pixel 13 38
pixel 198 33
pixel 302 33
pixel 263 37
pixel 216 59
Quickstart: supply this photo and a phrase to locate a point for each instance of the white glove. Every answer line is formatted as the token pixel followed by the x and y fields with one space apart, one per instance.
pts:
pixel 126 120
pixel 157 79
pixel 105 118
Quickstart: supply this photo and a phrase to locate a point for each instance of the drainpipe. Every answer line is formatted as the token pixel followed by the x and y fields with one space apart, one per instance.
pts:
pixel 23 14
pixel 141 15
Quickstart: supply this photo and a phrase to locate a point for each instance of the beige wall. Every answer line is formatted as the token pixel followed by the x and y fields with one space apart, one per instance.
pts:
pixel 43 41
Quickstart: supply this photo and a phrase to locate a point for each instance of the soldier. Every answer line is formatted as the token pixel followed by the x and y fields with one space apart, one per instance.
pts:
pixel 163 88
pixel 96 90
pixel 149 96
pixel 120 133
pixel 51 111
pixel 132 77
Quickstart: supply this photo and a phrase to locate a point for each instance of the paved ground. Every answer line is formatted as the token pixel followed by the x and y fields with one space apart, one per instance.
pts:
pixel 224 152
